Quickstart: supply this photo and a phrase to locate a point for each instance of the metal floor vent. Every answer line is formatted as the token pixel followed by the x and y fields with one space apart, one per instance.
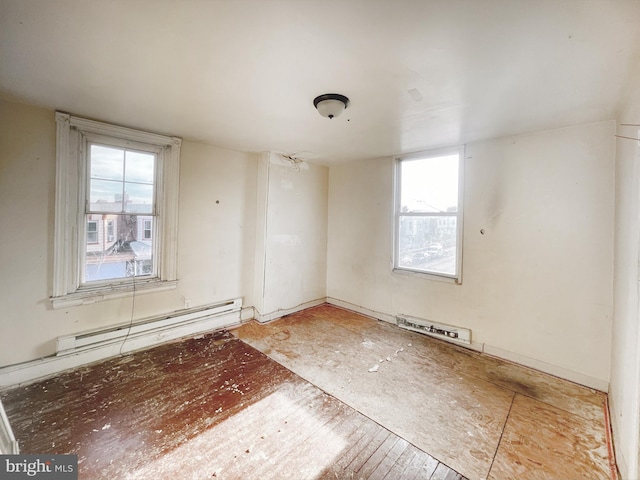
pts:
pixel 438 330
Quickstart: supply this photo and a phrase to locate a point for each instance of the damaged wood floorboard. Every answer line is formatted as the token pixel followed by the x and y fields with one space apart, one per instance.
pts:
pixel 211 407
pixel 483 417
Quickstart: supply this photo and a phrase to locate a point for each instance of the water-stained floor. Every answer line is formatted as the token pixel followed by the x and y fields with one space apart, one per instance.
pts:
pixel 483 417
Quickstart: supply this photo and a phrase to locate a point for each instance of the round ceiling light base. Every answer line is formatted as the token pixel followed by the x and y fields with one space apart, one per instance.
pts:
pixel 330 104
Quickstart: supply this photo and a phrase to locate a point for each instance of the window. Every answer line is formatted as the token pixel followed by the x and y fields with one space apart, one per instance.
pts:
pixel 147 230
pixel 114 187
pixel 92 232
pixel 120 182
pixel 428 213
pixel 110 235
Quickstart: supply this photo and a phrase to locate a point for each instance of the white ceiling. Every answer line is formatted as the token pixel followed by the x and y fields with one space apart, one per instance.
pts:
pixel 243 74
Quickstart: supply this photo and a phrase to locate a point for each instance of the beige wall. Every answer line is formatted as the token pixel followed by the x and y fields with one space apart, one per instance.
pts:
pixel 536 286
pixel 296 237
pixel 216 241
pixel 216 233
pixel 292 221
pixel 624 394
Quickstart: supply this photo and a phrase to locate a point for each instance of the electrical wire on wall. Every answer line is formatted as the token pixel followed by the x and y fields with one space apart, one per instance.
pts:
pixel 628 138
pixel 294 161
pixel 133 307
pixel 629 125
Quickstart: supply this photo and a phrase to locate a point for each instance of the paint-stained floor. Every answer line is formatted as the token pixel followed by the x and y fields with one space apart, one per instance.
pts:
pixel 483 417
pixel 320 394
pixel 209 407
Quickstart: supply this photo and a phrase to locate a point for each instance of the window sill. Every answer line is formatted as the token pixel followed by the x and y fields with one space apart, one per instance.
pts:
pixel 428 276
pixel 108 292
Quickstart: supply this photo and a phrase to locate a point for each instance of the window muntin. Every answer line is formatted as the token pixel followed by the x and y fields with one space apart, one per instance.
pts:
pixel 428 213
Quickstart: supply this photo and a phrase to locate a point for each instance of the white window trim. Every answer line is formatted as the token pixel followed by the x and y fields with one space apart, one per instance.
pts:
pixel 67 290
pixel 442 277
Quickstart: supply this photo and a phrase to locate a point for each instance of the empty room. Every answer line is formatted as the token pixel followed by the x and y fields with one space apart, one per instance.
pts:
pixel 269 239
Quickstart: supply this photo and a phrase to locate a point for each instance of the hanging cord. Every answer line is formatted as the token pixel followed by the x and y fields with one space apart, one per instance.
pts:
pixel 629 125
pixel 628 138
pixel 133 307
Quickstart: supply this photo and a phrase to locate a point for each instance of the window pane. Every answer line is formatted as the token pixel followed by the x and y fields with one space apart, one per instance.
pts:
pixel 140 167
pixel 146 234
pixel 428 244
pixel 106 162
pixel 110 231
pixel 121 180
pixel 430 184
pixel 105 196
pixel 139 198
pixel 128 253
pixel 92 232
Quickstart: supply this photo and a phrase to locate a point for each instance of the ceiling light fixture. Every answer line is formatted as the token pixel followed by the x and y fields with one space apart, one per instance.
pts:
pixel 331 104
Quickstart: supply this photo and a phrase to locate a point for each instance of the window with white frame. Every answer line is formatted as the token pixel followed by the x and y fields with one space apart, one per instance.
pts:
pixel 92 232
pixel 428 213
pixel 146 234
pixel 110 231
pixel 115 186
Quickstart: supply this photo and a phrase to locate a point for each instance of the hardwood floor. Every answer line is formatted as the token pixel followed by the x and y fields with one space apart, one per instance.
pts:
pixel 210 407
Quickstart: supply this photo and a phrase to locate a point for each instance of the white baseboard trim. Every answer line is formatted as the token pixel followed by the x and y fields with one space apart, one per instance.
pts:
pixel 556 371
pixel 267 317
pixel 29 371
pixel 8 443
pixel 361 310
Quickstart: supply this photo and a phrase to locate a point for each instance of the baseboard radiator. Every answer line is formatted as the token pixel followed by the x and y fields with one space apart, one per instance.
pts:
pixel 8 443
pixel 97 338
pixel 438 330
